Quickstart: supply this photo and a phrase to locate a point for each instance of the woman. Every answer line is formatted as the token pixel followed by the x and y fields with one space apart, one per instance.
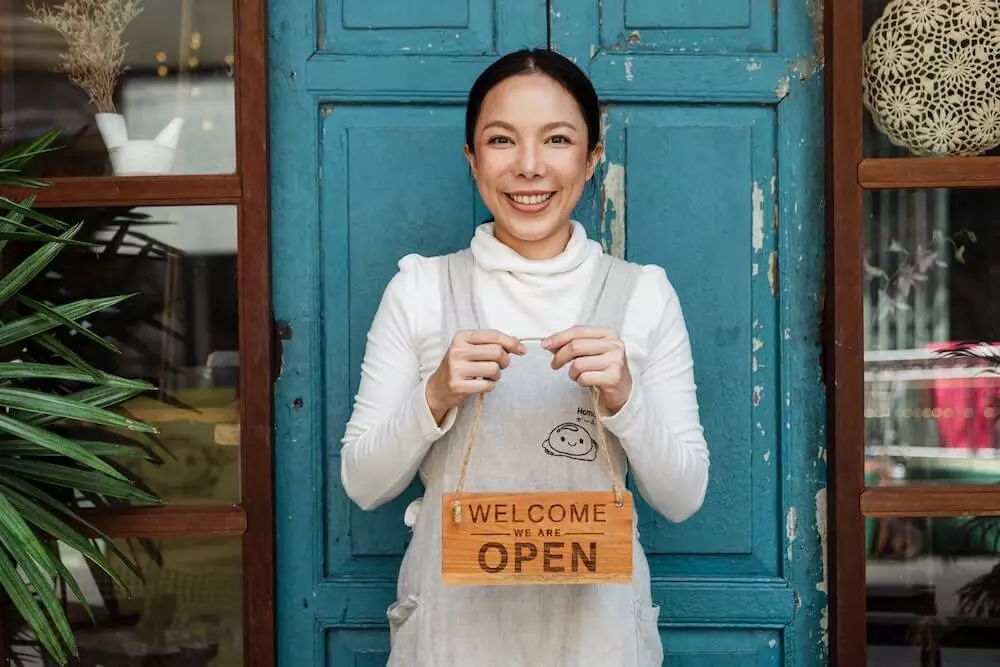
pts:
pixel 534 315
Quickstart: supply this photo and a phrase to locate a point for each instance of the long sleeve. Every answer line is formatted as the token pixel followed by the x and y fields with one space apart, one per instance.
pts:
pixel 659 426
pixel 391 427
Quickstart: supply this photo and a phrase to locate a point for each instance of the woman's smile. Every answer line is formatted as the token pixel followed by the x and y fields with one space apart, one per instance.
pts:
pixel 530 201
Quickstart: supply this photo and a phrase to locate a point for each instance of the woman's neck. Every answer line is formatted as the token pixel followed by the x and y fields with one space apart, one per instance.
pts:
pixel 493 254
pixel 538 249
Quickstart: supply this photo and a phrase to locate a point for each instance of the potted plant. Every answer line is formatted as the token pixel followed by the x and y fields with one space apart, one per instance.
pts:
pixel 55 416
pixel 94 61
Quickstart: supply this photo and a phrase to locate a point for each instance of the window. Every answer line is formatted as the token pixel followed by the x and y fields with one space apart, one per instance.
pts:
pixel 178 207
pixel 913 329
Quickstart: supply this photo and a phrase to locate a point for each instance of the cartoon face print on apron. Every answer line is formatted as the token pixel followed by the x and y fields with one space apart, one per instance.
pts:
pixel 537 432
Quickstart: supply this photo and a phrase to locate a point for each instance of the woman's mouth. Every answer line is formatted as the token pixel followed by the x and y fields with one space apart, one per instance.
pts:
pixel 529 202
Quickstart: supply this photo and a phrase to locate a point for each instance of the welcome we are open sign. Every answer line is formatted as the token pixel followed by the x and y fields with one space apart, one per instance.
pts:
pixel 536 538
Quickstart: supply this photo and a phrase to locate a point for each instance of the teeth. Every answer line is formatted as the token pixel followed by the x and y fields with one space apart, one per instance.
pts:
pixel 530 199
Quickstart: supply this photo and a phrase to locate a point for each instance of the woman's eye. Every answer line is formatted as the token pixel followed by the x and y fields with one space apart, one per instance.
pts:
pixel 559 139
pixel 499 140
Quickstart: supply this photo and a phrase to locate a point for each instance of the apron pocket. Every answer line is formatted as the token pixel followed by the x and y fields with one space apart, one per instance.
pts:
pixel 648 645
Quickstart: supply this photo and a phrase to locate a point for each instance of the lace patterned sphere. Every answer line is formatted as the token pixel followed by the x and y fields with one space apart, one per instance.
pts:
pixel 932 75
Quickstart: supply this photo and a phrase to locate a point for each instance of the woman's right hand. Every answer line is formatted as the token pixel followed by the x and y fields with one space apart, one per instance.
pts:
pixel 471 365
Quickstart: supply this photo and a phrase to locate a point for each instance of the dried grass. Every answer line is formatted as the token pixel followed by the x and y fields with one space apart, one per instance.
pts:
pixel 93 32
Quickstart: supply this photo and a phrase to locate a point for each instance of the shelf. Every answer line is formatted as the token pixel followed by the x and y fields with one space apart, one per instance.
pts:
pixel 134 191
pixel 172 521
pixel 929 172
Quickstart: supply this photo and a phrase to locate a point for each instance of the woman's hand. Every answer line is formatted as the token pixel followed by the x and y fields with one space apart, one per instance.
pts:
pixel 596 358
pixel 471 365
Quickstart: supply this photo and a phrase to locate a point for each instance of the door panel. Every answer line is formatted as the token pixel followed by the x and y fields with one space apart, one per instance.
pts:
pixel 713 170
pixel 731 26
pixel 453 27
pixel 715 254
pixel 387 189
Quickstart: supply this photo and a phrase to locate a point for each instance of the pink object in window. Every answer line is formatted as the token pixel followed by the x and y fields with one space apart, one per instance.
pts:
pixel 966 407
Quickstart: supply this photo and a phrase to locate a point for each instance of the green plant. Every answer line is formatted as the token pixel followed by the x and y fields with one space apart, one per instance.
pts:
pixel 55 420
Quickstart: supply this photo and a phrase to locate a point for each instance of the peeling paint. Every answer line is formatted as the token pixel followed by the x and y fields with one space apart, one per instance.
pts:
pixel 767 456
pixel 755 366
pixel 605 124
pixel 772 642
pixel 781 90
pixel 821 529
pixel 753 65
pixel 628 69
pixel 815 9
pixel 791 529
pixel 613 189
pixel 758 344
pixel 755 270
pixel 758 391
pixel 633 37
pixel 821 585
pixel 757 198
pixel 772 272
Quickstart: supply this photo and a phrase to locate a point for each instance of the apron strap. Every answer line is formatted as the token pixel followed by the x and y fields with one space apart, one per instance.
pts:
pixel 616 292
pixel 457 304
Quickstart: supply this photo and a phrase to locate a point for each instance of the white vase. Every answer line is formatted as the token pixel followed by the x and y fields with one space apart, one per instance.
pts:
pixel 138 157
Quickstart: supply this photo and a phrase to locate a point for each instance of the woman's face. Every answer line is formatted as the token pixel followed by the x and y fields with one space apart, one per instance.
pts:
pixel 530 162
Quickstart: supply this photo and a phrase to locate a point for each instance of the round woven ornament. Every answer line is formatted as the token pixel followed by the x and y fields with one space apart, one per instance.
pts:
pixel 932 75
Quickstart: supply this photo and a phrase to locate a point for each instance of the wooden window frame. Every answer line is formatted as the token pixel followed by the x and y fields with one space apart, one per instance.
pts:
pixel 848 174
pixel 247 190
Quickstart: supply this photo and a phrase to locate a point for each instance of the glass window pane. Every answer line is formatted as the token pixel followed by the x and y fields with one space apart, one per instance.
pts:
pixel 179 331
pixel 931 276
pixel 185 611
pixel 926 91
pixel 933 592
pixel 178 64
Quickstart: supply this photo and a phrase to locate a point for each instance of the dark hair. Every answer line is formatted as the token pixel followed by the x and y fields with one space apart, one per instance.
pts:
pixel 529 61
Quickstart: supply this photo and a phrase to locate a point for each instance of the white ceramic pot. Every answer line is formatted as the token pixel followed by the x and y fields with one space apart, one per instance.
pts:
pixel 138 157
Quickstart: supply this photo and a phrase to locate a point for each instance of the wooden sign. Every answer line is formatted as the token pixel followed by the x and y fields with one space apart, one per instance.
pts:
pixel 536 538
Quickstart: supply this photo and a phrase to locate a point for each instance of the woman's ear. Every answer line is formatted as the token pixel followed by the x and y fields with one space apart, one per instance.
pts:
pixel 471 157
pixel 593 159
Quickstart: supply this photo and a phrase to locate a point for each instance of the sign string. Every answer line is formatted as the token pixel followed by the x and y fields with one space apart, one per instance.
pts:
pixel 616 485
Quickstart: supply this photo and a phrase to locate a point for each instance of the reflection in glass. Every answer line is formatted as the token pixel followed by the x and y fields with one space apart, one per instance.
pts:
pixel 933 592
pixel 179 332
pixel 931 331
pixel 179 65
pixel 185 611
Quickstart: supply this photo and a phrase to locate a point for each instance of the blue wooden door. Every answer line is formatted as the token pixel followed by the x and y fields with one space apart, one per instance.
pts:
pixel 713 117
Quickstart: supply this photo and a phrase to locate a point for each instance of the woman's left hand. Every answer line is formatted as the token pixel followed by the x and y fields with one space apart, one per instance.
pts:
pixel 596 358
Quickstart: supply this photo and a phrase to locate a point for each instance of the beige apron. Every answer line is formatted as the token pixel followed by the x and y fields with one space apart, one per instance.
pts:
pixel 536 433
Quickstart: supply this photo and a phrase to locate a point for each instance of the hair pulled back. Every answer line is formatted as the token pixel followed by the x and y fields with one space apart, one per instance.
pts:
pixel 557 67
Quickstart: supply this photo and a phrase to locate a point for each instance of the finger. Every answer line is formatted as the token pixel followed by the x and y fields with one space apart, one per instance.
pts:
pixel 489 370
pixel 580 365
pixel 602 379
pixel 471 387
pixel 557 340
pixel 488 352
pixel 487 336
pixel 581 347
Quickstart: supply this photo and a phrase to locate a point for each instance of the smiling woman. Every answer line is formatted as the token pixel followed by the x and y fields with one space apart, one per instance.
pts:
pixel 594 354
pixel 532 133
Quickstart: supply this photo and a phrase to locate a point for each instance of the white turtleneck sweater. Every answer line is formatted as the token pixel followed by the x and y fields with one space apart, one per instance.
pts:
pixel 392 429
